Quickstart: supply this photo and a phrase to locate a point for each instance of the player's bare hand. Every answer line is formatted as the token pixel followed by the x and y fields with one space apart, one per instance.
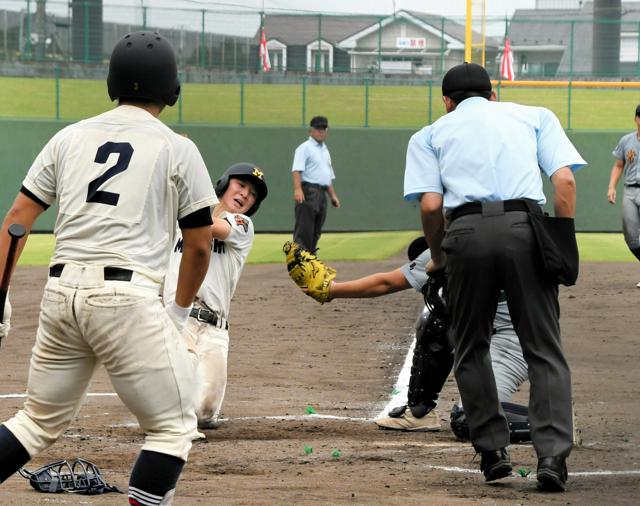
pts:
pixel 298 196
pixel 611 195
pixel 335 201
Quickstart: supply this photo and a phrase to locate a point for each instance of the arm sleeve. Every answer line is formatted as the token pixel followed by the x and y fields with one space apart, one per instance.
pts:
pixel 40 181
pixel 618 152
pixel 241 235
pixel 416 272
pixel 422 170
pixel 299 159
pixel 192 181
pixel 199 218
pixel 555 150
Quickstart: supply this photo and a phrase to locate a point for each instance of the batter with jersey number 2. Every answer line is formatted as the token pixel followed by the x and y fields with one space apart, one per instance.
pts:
pixel 121 181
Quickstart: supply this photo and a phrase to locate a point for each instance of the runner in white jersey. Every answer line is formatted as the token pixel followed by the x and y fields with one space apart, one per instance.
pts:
pixel 121 180
pixel 241 189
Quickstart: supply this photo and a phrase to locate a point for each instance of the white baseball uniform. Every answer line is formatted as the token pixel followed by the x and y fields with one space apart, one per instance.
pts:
pixel 209 344
pixel 121 179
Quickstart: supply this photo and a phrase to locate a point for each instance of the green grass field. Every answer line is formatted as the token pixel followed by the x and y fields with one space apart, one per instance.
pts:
pixel 365 246
pixel 281 104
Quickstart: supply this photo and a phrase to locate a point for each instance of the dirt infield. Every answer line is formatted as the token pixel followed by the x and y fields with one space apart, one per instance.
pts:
pixel 288 352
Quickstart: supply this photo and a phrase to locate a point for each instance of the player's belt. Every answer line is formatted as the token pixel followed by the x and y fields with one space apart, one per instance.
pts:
pixel 476 208
pixel 634 185
pixel 110 273
pixel 210 317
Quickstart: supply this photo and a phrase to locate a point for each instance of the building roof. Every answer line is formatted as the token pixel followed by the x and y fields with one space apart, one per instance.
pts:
pixel 304 29
pixel 296 30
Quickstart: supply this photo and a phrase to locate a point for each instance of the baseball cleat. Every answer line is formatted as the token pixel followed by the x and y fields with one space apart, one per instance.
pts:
pixel 638 285
pixel 407 422
pixel 210 423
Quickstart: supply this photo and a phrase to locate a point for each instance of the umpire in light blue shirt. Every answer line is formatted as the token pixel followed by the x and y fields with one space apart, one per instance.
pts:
pixel 312 181
pixel 481 166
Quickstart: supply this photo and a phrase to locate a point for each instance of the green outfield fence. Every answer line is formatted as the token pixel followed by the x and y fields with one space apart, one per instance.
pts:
pixel 379 70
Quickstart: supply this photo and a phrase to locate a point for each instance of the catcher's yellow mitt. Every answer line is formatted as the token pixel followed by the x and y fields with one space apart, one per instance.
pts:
pixel 308 272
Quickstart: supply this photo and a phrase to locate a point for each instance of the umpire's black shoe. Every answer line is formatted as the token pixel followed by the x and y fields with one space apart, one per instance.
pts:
pixel 552 474
pixel 495 464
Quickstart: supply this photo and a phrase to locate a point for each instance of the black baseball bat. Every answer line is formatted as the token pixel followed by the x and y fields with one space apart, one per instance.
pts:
pixel 16 231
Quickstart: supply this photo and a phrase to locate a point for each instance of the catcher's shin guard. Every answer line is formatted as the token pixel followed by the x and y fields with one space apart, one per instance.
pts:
pixel 432 363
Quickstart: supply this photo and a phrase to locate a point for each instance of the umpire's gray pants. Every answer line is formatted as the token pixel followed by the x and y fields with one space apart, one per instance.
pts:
pixel 484 255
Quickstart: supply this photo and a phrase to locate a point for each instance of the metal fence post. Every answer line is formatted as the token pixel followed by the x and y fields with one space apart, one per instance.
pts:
pixel 366 102
pixel 144 17
pixel 569 106
pixel 85 27
pixel 57 83
pixel 379 45
pixel 638 57
pixel 304 100
pixel 28 32
pixel 181 77
pixel 571 41
pixel 430 116
pixel 442 46
pixel 202 44
pixel 242 100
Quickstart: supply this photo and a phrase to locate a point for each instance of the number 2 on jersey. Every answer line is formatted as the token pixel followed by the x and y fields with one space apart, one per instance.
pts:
pixel 125 152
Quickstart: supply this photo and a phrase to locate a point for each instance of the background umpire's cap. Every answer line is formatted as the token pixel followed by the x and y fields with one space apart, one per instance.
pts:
pixel 638 110
pixel 466 77
pixel 319 122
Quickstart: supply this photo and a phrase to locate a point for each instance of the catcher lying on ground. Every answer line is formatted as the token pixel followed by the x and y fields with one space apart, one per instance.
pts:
pixel 433 356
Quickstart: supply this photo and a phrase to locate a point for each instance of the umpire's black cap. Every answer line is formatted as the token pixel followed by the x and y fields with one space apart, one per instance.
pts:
pixel 466 77
pixel 319 122
pixel 638 110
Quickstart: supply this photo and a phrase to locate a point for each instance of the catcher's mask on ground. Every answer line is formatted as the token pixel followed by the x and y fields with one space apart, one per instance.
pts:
pixel 79 476
pixel 143 66
pixel 250 172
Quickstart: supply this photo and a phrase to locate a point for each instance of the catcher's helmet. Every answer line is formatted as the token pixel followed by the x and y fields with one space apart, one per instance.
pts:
pixel 250 172
pixel 143 65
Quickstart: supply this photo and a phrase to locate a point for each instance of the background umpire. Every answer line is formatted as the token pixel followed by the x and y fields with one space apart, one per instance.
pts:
pixel 313 177
pixel 485 157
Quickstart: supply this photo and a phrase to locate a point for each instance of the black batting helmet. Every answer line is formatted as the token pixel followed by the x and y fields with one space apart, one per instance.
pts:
pixel 250 172
pixel 143 65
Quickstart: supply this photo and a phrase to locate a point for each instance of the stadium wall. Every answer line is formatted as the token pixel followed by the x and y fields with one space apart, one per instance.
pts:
pixel 369 165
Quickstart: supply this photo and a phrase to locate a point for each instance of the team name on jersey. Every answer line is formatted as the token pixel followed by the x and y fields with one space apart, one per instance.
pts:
pixel 217 246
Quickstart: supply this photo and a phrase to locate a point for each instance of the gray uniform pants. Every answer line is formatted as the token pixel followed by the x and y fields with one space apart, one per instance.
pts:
pixel 631 216
pixel 486 253
pixel 310 216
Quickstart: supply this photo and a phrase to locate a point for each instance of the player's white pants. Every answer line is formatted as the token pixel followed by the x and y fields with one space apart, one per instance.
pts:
pixel 85 321
pixel 209 347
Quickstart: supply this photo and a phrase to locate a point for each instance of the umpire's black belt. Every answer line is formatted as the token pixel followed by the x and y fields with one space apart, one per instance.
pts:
pixel 210 317
pixel 509 206
pixel 110 273
pixel 322 187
